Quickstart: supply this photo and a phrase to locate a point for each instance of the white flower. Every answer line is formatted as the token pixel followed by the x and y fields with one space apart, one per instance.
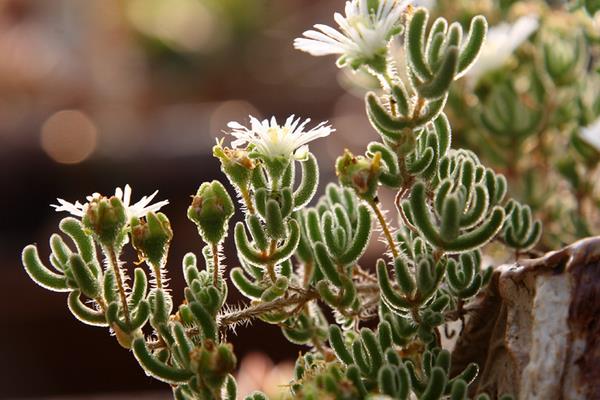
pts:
pixel 501 42
pixel 363 33
pixel 591 134
pixel 272 140
pixel 137 210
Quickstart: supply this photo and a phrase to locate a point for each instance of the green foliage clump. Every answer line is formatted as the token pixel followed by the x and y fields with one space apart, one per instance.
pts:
pixel 535 115
pixel 367 330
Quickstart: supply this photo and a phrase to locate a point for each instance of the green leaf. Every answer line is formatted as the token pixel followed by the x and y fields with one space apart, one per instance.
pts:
pixel 435 386
pixel 231 388
pixel 415 44
pixel 450 221
pixel 244 285
pixel 354 375
pixel 390 297
pixel 83 241
pixel 205 321
pixel 83 313
pixel 404 277
pixel 161 305
pixel 60 250
pixel 387 381
pixel 244 247
pixel 471 48
pixel 459 391
pixel 361 237
pixel 40 274
pixel 274 220
pixel 440 84
pixel 291 243
pixel 140 286
pixel 309 182
pixel 326 265
pixel 156 368
pixel 87 282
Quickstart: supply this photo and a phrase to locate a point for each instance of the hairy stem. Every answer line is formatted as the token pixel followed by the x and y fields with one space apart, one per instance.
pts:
pixel 114 263
pixel 270 265
pixel 301 297
pixel 158 275
pixel 101 302
pixel 308 269
pixel 231 318
pixel 385 228
pixel 418 107
pixel 247 200
pixel 215 254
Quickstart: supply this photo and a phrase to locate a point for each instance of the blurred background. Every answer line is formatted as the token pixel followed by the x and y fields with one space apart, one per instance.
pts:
pixel 100 93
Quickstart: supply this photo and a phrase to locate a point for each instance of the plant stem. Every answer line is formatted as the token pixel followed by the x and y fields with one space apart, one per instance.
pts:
pixel 418 108
pixel 414 312
pixel 215 254
pixel 308 270
pixel 251 312
pixel 393 106
pixel 114 262
pixel 247 200
pixel 270 265
pixel 158 275
pixel 385 228
pixel 259 309
pixel 101 303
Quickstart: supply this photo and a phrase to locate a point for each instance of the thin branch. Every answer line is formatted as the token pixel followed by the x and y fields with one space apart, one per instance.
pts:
pixel 234 317
pixel 271 265
pixel 385 228
pixel 247 200
pixel 215 254
pixel 114 262
pixel 254 311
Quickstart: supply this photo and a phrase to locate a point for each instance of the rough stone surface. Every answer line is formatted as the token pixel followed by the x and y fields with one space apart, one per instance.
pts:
pixel 536 329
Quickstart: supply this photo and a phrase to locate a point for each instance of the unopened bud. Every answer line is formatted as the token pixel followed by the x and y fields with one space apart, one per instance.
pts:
pixel 106 218
pixel 211 210
pixel 359 173
pixel 151 237
pixel 235 163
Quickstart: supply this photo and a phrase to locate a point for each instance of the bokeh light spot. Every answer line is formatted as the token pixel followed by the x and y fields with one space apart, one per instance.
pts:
pixel 69 136
pixel 184 25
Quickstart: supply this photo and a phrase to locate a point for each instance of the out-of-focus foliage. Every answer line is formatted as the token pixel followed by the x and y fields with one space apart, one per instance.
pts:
pixel 531 115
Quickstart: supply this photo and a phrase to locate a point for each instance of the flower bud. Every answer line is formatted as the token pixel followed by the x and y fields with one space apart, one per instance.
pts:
pixel 235 163
pixel 213 362
pixel 211 210
pixel 106 218
pixel 151 237
pixel 359 173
